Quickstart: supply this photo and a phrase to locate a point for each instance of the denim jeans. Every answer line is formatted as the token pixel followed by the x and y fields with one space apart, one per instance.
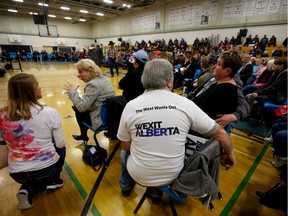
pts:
pixel 126 181
pixel 113 64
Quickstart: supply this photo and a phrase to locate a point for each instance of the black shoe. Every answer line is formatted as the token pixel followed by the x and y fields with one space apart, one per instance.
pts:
pixel 276 198
pixel 126 193
pixel 155 195
pixel 79 137
pixel 263 194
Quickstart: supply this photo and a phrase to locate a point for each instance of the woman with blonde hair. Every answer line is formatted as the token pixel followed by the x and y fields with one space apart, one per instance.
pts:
pixel 97 89
pixel 34 138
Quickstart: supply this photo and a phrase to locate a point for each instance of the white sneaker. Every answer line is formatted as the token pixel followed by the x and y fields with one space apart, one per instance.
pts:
pixel 23 202
pixel 268 139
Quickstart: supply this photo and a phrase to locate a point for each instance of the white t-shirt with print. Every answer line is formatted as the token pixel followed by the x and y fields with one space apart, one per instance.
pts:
pixel 31 142
pixel 157 122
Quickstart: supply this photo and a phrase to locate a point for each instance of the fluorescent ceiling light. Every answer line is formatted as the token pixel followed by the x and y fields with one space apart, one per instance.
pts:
pixel 99 14
pixel 33 13
pixel 84 11
pixel 12 10
pixel 108 1
pixel 128 6
pixel 51 15
pixel 67 18
pixel 124 5
pixel 65 8
pixel 43 4
pixel 18 0
pixel 82 20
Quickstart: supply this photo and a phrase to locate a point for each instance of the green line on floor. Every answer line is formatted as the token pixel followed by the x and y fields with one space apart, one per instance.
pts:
pixel 74 179
pixel 245 180
pixel 79 187
pixel 95 211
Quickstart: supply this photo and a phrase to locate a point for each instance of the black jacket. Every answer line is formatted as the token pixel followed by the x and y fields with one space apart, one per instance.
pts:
pixel 131 84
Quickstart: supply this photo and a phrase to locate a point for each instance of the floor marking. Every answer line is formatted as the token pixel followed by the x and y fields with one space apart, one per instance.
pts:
pixel 80 189
pixel 245 180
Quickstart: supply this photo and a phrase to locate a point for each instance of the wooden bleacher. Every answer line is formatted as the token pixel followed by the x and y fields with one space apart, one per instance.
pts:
pixel 268 49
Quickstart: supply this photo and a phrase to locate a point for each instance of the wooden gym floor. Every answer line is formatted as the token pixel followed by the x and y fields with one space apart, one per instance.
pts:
pixel 252 172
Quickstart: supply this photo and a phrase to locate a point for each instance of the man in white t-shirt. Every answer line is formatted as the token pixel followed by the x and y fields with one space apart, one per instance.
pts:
pixel 153 131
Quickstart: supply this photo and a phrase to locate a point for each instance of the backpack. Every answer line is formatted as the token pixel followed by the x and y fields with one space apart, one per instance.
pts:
pixel 94 156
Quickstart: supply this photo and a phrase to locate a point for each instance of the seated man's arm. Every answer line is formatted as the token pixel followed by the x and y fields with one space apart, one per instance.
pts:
pixel 228 158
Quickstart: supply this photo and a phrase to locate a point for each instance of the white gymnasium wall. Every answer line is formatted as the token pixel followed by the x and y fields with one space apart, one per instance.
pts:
pixel 82 35
pixel 76 35
pixel 270 24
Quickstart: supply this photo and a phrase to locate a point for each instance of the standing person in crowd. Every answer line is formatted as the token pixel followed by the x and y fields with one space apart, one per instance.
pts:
pixel 153 130
pixel 34 137
pixel 263 43
pixel 97 89
pixel 111 54
pixel 94 55
pixel 131 83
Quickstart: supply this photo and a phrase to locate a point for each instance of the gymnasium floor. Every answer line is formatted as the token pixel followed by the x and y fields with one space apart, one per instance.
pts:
pixel 238 185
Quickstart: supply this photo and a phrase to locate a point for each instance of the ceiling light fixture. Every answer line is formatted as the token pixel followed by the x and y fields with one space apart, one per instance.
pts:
pixel 68 18
pixel 43 4
pixel 99 14
pixel 84 11
pixel 51 15
pixel 13 10
pixel 33 13
pixel 108 1
pixel 128 6
pixel 82 20
pixel 65 8
pixel 18 0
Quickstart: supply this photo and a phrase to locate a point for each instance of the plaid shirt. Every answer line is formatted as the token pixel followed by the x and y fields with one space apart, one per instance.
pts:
pixel 112 52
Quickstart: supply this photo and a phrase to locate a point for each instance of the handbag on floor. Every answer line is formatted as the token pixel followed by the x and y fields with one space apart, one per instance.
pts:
pixel 94 156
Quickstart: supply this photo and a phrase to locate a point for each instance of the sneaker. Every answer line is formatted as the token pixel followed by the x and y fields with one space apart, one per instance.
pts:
pixel 268 139
pixel 57 184
pixel 23 200
pixel 278 163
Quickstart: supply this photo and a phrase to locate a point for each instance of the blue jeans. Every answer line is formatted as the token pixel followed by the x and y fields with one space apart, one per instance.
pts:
pixel 126 181
pixel 113 64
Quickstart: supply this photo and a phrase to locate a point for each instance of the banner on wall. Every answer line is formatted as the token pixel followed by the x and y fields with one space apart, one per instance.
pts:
pixel 249 7
pixel 260 7
pixel 146 22
pixel 283 8
pixel 273 6
pixel 198 13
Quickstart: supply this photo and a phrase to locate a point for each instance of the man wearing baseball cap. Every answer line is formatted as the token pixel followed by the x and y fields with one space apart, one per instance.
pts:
pixel 131 83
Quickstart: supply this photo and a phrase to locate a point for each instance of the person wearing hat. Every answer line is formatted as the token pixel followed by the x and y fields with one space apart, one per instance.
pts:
pixel 112 55
pixel 131 83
